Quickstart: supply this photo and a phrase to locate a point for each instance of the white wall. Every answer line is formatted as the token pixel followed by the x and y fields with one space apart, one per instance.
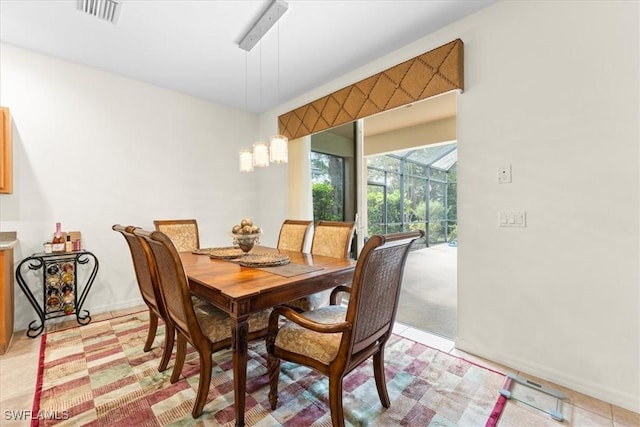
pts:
pixel 411 137
pixel 551 88
pixel 92 149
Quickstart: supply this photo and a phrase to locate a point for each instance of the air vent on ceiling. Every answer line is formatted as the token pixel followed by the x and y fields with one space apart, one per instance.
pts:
pixel 109 10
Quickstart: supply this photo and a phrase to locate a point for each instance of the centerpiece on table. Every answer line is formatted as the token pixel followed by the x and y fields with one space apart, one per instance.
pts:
pixel 246 235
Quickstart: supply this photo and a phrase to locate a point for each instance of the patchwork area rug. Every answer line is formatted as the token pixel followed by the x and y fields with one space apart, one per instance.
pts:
pixel 98 375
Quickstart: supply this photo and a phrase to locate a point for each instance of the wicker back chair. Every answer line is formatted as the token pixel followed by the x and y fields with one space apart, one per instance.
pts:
pixel 330 238
pixel 205 327
pixel 334 340
pixel 150 291
pixel 182 232
pixel 293 234
pixel 333 238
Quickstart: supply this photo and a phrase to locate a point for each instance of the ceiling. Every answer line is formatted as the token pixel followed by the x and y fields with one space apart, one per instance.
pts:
pixel 191 46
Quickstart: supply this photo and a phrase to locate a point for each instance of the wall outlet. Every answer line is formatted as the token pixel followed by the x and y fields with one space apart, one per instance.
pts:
pixel 504 174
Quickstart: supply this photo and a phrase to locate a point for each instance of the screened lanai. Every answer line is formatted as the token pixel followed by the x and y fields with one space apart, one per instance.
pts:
pixel 414 189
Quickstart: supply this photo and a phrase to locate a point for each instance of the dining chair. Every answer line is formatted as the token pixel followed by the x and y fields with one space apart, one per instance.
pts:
pixel 197 322
pixel 336 339
pixel 333 239
pixel 150 292
pixel 182 232
pixel 293 234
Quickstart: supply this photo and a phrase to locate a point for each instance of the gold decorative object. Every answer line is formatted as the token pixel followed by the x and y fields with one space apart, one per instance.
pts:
pixel 246 234
pixel 245 241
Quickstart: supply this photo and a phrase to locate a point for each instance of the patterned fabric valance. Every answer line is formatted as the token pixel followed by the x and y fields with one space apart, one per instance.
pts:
pixel 438 71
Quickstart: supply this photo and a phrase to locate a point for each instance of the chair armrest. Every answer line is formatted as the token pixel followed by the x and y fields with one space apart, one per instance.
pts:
pixel 333 298
pixel 299 319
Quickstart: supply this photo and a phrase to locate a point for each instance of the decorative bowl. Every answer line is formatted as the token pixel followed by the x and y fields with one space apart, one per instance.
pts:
pixel 245 241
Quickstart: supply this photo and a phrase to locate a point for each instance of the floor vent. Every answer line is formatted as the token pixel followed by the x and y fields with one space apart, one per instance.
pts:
pixel 108 10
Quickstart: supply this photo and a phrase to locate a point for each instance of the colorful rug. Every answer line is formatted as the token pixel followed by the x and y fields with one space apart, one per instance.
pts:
pixel 98 375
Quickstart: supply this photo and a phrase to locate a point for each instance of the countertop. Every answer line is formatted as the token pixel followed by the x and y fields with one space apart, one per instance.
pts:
pixel 7 244
pixel 8 239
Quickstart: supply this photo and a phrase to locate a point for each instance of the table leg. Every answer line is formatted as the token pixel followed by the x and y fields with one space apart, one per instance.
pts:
pixel 240 328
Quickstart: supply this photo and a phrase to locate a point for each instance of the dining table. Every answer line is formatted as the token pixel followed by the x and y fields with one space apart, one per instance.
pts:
pixel 241 291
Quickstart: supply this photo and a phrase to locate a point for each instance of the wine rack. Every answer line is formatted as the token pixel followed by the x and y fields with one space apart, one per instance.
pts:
pixel 63 288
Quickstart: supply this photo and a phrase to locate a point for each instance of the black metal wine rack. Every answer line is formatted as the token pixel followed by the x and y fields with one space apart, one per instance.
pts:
pixel 62 293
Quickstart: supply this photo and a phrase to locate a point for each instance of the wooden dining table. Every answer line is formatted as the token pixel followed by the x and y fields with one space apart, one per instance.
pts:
pixel 241 291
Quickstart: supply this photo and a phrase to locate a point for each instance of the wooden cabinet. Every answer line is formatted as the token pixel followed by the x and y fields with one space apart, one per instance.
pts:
pixel 6 156
pixel 6 298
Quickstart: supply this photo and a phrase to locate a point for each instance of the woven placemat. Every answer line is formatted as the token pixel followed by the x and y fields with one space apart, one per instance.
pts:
pixel 262 260
pixel 227 252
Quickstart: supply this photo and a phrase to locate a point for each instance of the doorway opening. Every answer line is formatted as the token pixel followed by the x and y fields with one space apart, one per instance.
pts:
pixel 417 189
pixel 333 176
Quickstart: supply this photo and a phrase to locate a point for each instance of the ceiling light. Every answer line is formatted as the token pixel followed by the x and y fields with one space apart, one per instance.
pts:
pixel 278 149
pixel 246 161
pixel 108 10
pixel 270 16
pixel 260 155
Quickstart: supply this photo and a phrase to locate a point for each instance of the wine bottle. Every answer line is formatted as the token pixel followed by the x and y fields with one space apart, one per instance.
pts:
pixel 57 243
pixel 68 246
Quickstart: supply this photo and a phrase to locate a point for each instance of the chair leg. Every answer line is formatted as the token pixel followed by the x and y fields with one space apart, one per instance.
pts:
pixel 381 383
pixel 169 337
pixel 204 383
pixel 181 354
pixel 153 327
pixel 273 369
pixel 335 401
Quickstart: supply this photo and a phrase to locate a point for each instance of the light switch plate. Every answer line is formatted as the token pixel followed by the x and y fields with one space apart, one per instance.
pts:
pixel 512 219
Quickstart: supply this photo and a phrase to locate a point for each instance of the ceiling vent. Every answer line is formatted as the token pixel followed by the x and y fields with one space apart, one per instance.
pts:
pixel 108 10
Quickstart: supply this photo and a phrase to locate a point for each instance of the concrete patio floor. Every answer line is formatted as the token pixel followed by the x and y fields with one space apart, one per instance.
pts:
pixel 428 300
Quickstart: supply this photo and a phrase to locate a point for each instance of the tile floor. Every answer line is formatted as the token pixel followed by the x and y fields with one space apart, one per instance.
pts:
pixel 18 369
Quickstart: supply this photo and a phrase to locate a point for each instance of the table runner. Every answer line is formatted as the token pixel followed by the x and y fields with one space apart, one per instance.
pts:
pixel 291 269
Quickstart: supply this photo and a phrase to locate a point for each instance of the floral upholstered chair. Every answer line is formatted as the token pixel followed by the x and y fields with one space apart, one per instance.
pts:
pixel 196 322
pixel 293 234
pixel 150 292
pixel 335 339
pixel 182 232
pixel 333 239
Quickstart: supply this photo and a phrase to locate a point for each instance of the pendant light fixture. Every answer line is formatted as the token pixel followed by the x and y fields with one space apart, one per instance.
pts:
pixel 277 150
pixel 260 155
pixel 279 143
pixel 246 161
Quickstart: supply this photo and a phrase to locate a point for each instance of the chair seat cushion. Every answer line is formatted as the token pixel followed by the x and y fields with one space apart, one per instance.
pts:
pixel 312 302
pixel 216 324
pixel 323 347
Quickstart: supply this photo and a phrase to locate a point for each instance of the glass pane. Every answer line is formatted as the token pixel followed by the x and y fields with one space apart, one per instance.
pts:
pixel 411 168
pixel 414 200
pixel 374 175
pixel 393 181
pixel 437 174
pixel 394 228
pixel 375 210
pixel 387 163
pixel 394 212
pixel 437 201
pixel 327 177
pixel 429 155
pixel 423 197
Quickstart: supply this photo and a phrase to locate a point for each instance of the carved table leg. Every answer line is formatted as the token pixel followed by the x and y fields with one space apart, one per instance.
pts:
pixel 240 328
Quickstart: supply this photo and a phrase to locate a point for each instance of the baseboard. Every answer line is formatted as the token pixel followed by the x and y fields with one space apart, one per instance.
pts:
pixel 624 400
